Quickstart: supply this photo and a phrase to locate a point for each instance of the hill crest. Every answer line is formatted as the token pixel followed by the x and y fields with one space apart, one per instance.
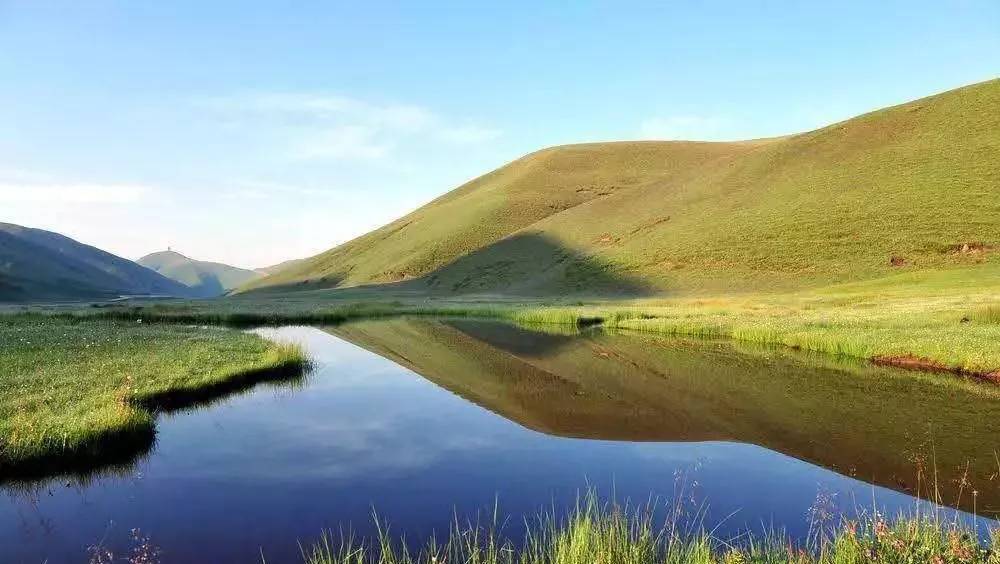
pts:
pixel 204 278
pixel 896 188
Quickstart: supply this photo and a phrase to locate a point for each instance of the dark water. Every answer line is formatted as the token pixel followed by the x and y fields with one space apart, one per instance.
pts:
pixel 419 419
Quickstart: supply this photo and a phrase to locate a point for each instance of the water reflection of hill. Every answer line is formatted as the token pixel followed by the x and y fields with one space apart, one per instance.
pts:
pixel 876 424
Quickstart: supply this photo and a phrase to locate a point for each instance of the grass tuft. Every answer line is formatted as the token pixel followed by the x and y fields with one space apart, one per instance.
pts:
pixel 616 534
pixel 989 314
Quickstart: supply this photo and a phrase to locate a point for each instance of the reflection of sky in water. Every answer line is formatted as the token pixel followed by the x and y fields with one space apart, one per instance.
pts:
pixel 264 470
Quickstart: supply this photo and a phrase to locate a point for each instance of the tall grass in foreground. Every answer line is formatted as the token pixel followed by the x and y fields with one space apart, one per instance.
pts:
pixel 987 314
pixel 613 534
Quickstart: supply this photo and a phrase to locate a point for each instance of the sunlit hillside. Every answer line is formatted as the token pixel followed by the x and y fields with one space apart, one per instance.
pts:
pixel 911 187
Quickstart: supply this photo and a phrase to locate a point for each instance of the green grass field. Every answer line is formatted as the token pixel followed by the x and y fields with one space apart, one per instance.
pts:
pixel 75 389
pixel 941 320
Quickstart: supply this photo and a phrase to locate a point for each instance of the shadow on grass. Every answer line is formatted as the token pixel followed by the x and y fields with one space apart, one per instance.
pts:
pixel 172 401
pixel 117 452
pixel 531 264
pixel 524 264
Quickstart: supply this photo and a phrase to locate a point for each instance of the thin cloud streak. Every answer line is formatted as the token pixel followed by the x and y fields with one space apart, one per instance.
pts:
pixel 349 142
pixel 72 193
pixel 334 127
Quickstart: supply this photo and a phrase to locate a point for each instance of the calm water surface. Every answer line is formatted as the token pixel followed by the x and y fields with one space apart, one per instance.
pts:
pixel 419 419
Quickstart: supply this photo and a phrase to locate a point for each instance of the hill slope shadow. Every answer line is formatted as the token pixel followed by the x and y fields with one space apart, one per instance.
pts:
pixel 511 338
pixel 529 263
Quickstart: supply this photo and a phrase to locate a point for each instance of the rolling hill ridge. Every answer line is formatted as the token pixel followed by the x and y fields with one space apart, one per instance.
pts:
pixel 205 279
pixel 910 187
pixel 42 265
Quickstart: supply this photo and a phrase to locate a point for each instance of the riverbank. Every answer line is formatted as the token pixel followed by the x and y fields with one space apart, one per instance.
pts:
pixel 81 375
pixel 79 390
pixel 616 534
pixel 939 321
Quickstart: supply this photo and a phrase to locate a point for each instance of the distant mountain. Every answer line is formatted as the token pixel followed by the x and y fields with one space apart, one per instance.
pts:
pixel 205 279
pixel 42 265
pixel 907 188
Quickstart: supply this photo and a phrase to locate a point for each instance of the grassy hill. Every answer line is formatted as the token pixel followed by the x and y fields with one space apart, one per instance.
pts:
pixel 907 188
pixel 206 279
pixel 41 265
pixel 265 270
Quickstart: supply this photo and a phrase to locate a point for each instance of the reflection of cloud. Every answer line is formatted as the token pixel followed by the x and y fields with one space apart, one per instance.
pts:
pixel 339 423
pixel 719 452
pixel 344 447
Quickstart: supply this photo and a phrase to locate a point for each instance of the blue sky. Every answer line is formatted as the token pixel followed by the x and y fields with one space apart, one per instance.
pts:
pixel 253 132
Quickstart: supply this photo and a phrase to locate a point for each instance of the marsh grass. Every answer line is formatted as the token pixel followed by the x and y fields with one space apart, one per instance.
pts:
pixel 341 314
pixel 922 332
pixel 619 534
pixel 941 321
pixel 987 314
pixel 83 392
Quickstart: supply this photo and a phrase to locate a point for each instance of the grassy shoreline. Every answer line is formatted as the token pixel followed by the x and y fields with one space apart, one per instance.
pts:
pixel 945 321
pixel 612 534
pixel 82 391
pixel 918 329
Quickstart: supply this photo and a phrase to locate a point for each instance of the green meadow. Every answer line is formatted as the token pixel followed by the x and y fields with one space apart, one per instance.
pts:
pixel 939 320
pixel 73 389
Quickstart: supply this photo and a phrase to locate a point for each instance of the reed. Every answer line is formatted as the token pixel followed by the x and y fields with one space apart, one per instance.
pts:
pixel 617 534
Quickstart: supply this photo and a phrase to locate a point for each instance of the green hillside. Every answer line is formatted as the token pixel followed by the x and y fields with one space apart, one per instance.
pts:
pixel 41 265
pixel 265 270
pixel 206 279
pixel 907 188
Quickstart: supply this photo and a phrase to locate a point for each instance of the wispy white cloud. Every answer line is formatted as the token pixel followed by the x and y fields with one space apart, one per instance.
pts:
pixel 326 107
pixel 258 190
pixel 10 175
pixel 468 134
pixel 685 127
pixel 348 142
pixel 328 126
pixel 13 192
